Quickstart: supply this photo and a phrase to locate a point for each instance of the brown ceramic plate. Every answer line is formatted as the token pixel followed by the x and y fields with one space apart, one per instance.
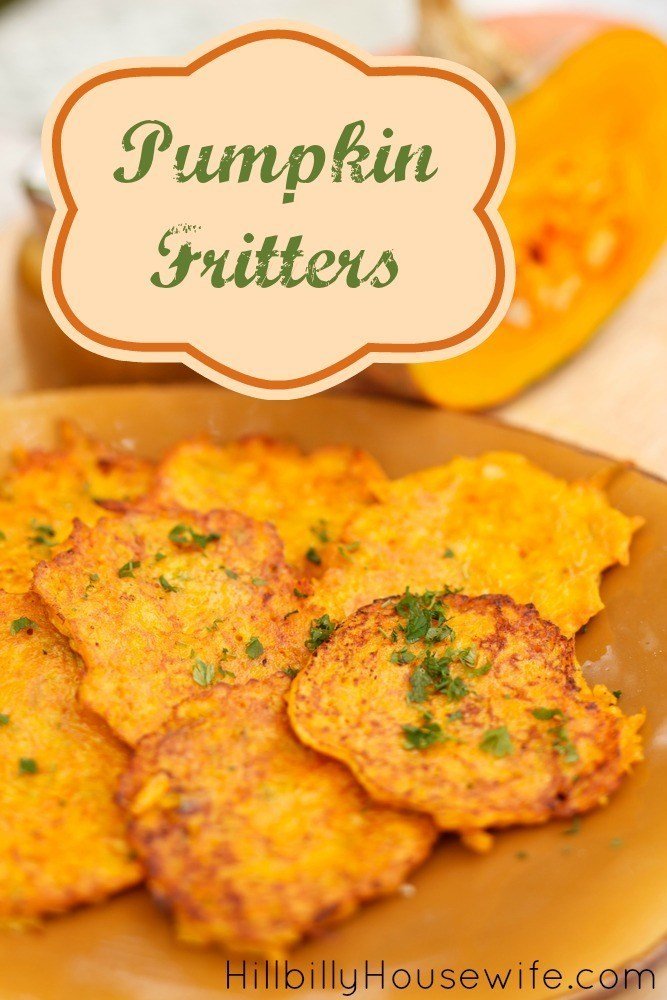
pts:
pixel 594 899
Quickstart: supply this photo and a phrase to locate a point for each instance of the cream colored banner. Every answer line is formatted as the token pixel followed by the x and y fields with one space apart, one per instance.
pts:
pixel 278 210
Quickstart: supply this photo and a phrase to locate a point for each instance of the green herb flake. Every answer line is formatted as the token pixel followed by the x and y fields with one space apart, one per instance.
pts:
pixel 203 673
pixel 44 534
pixel 348 549
pixel 128 569
pixel 480 671
pixel 448 554
pixel 313 556
pixel 574 827
pixel 299 593
pixel 423 736
pixel 425 617
pixel 563 745
pixel 321 629
pixel 544 714
pixel 4 719
pixel 183 534
pixel 27 765
pixel 290 671
pixel 617 695
pixel 258 581
pixel 402 656
pixel 232 574
pixel 254 648
pixel 467 656
pixel 3 536
pixel 321 531
pixel 21 624
pixel 164 583
pixel 420 685
pixel 159 556
pixel 497 742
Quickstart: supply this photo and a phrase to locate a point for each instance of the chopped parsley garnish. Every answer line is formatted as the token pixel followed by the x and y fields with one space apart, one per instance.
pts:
pixel 203 673
pixel 321 629
pixel 425 617
pixel 3 536
pixel 448 553
pixel 19 624
pixel 423 736
pixel 313 556
pixel 254 648
pixel 44 534
pixel 497 742
pixel 290 671
pixel 321 531
pixel 480 671
pixel 546 713
pixel 402 656
pixel 299 593
pixel 27 765
pixel 4 719
pixel 347 550
pixel 563 745
pixel 258 581
pixel 159 556
pixel 420 685
pixel 289 614
pixel 617 695
pixel 183 534
pixel 129 568
pixel 164 583
pixel 232 574
pixel 433 676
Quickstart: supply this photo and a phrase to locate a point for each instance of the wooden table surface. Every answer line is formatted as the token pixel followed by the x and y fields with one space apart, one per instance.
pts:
pixel 611 397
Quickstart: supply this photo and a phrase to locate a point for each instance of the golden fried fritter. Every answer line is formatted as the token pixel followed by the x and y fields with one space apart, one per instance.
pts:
pixel 62 836
pixel 109 475
pixel 472 710
pixel 251 839
pixel 45 491
pixel 496 524
pixel 307 497
pixel 161 602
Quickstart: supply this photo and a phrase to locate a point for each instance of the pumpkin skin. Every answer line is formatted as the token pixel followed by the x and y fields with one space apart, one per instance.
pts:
pixel 586 210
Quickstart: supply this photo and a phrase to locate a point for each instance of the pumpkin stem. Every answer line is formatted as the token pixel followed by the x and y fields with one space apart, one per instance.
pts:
pixel 446 32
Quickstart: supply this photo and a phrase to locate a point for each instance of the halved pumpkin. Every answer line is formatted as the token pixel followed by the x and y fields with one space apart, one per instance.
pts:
pixel 586 210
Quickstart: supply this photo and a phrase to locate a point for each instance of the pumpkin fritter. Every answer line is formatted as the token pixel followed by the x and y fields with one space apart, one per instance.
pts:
pixel 495 524
pixel 307 497
pixel 62 835
pixel 251 839
pixel 44 491
pixel 470 709
pixel 161 602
